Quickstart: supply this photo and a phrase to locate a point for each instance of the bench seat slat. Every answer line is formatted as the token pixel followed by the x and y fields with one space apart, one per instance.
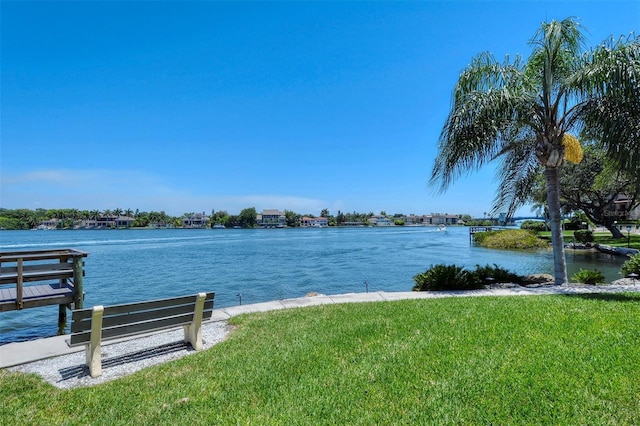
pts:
pixel 113 320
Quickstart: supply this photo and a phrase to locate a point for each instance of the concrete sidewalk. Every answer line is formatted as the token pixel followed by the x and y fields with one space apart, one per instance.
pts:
pixel 13 354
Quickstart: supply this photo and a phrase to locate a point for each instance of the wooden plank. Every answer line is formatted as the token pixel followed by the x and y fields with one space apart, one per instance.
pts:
pixel 12 256
pixel 132 329
pixel 139 316
pixel 60 299
pixel 126 308
pixel 132 307
pixel 36 276
pixel 40 291
pixel 12 270
pixel 149 305
pixel 80 325
pixel 31 292
pixel 133 318
pixel 36 291
pixel 7 294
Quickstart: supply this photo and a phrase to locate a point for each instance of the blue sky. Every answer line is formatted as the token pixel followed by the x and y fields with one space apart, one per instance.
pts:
pixel 194 106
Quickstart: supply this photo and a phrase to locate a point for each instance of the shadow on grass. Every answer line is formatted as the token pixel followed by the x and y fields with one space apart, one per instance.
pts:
pixel 608 297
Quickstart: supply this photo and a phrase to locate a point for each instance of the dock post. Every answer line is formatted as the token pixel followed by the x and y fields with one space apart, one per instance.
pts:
pixel 62 319
pixel 78 297
pixel 19 285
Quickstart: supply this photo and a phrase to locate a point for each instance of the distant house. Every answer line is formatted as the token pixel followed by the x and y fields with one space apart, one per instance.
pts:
pixel 436 219
pixel 109 221
pixel 124 221
pixel 314 222
pixel 378 220
pixel 623 210
pixel 49 224
pixel 416 220
pixel 196 220
pixel 272 218
pixel 444 219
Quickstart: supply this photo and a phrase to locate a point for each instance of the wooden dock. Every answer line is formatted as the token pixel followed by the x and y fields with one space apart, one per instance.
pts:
pixel 29 279
pixel 36 295
pixel 476 229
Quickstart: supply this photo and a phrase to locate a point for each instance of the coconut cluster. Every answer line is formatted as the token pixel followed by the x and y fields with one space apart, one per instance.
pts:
pixel 572 148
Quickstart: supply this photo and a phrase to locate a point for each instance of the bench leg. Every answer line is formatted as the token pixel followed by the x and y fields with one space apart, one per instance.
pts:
pixel 193 331
pixel 94 358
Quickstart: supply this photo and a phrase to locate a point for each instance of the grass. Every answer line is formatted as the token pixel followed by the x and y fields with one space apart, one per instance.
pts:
pixel 605 238
pixel 488 360
pixel 599 238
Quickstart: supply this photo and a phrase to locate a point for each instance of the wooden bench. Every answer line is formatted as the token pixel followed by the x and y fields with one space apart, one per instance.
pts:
pixel 93 325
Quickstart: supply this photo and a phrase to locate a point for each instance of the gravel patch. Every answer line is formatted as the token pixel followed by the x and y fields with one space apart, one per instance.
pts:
pixel 124 358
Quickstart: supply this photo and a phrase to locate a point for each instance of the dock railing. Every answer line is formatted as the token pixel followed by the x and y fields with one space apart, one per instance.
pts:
pixel 22 274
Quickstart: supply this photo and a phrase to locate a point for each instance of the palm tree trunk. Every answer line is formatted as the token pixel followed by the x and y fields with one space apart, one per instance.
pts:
pixel 557 240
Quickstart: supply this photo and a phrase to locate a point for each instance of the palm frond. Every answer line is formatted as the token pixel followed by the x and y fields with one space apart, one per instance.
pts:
pixel 488 99
pixel 610 84
pixel 556 55
pixel 517 173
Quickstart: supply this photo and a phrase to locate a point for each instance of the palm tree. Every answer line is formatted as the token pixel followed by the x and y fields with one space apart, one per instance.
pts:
pixel 519 112
pixel 614 72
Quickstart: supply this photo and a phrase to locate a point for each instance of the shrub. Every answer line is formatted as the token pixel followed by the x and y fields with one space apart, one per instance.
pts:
pixel 576 222
pixel 500 275
pixel 585 276
pixel 534 226
pixel 446 277
pixel 509 239
pixel 632 265
pixel 583 236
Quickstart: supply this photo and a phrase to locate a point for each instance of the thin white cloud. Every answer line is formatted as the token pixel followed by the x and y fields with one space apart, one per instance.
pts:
pixel 110 189
pixel 39 177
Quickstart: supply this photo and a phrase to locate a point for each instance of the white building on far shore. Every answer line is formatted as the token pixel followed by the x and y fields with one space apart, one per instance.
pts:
pixel 314 222
pixel 272 218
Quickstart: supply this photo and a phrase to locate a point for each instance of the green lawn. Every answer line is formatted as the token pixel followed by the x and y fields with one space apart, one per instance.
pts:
pixel 561 360
pixel 605 238
pixel 600 238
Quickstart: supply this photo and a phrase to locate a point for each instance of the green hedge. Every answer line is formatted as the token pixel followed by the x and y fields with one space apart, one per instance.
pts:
pixel 451 277
pixel 509 239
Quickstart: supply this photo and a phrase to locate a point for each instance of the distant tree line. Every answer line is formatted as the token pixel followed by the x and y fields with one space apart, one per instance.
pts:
pixel 247 218
pixel 68 218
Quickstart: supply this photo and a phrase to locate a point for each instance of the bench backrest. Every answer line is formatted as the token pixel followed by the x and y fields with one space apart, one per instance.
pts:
pixel 134 318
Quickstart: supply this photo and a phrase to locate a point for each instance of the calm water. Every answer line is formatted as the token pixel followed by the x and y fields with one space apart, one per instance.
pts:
pixel 261 265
